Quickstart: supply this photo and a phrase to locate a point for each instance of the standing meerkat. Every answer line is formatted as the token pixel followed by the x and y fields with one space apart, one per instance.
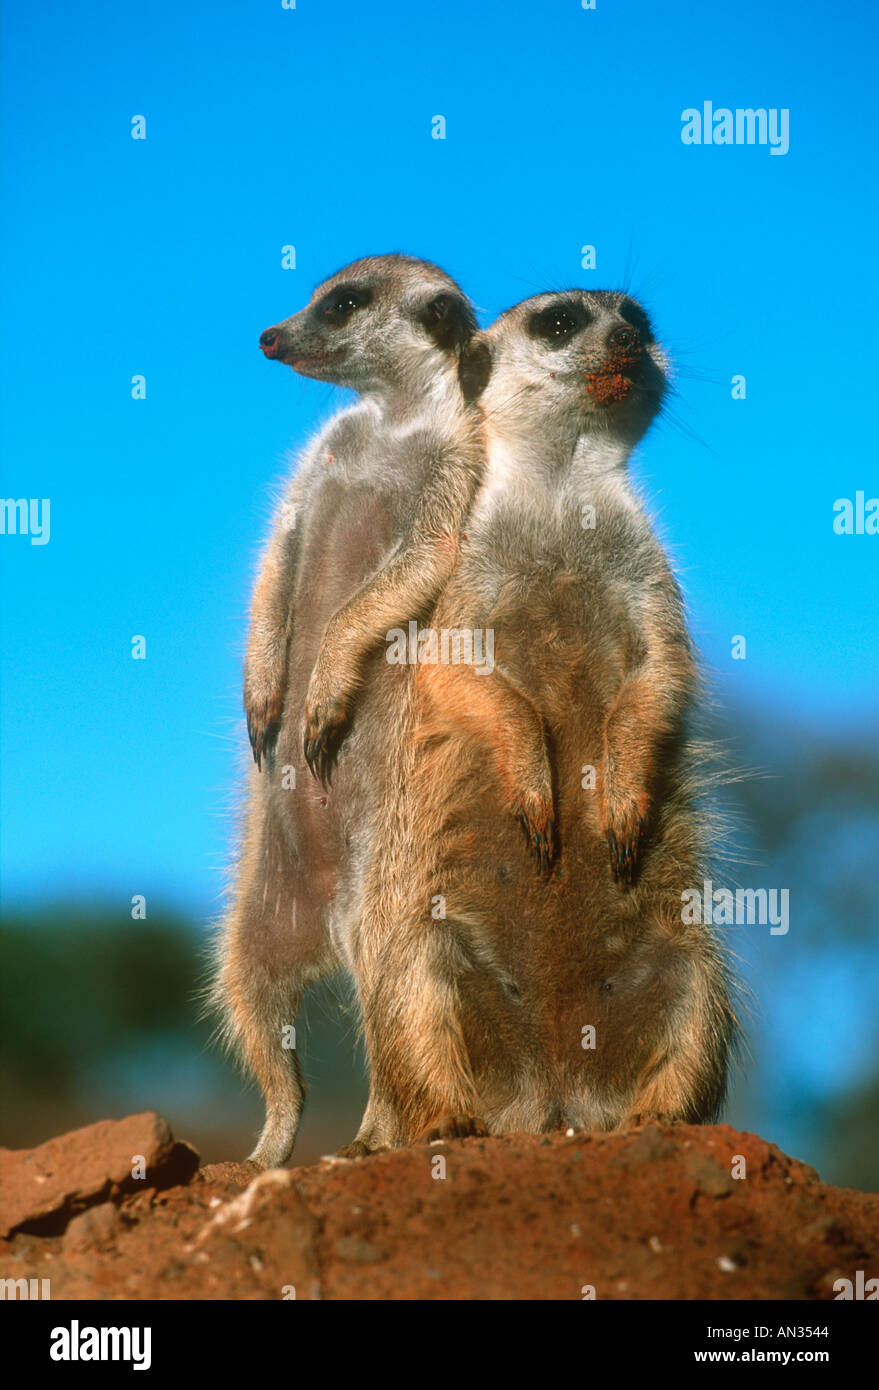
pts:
pixel 365 537
pixel 492 998
pixel 391 328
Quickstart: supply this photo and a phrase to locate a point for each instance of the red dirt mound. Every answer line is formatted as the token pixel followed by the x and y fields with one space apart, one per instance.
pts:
pixel 120 1211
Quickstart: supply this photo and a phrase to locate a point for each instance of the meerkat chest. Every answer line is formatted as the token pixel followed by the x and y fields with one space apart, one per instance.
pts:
pixel 506 485
pixel 363 444
pixel 551 571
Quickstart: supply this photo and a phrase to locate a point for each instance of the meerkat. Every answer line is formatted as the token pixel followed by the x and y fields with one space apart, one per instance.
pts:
pixel 494 999
pixel 383 326
pixel 366 535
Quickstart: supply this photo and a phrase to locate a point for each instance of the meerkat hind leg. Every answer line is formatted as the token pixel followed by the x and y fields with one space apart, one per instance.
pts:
pixel 378 1132
pixel 259 1003
pixel 279 1073
pixel 284 1088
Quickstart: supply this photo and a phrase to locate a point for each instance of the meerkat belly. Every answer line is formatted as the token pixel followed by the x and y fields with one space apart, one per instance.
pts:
pixel 351 533
pixel 553 963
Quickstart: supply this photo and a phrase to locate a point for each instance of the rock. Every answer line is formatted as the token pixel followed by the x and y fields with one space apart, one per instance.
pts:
pixel 240 1212
pixel 234 1176
pixel 94 1226
pixel 269 1229
pixel 708 1176
pixel 89 1166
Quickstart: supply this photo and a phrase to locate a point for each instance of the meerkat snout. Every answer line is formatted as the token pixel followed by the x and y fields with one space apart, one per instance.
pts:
pixel 268 341
pixel 383 320
pixel 588 357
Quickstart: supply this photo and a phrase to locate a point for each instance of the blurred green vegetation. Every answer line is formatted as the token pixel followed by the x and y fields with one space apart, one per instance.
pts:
pixel 80 986
pixel 99 1017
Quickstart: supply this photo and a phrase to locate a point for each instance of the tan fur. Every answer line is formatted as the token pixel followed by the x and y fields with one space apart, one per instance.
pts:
pixel 405 587
pixel 367 530
pixel 477 977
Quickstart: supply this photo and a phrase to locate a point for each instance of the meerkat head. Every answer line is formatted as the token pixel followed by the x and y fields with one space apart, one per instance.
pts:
pixel 581 361
pixel 384 322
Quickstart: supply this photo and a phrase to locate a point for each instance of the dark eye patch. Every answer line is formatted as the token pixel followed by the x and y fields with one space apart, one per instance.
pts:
pixel 557 323
pixel 337 306
pixel 635 315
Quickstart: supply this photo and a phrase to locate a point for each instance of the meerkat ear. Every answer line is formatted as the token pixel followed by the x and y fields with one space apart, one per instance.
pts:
pixel 474 367
pixel 448 320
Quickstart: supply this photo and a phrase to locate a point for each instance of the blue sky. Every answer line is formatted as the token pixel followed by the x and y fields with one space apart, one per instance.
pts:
pixel 311 127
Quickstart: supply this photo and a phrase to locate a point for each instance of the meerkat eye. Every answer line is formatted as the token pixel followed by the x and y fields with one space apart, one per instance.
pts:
pixel 337 307
pixel 554 325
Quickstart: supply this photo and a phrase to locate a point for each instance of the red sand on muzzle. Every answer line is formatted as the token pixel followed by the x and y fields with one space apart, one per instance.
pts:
pixel 611 383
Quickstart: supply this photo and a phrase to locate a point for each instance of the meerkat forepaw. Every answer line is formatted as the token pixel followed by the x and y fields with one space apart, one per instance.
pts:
pixel 320 747
pixel 624 813
pixel 541 841
pixel 625 852
pixel 538 823
pixel 326 723
pixel 263 726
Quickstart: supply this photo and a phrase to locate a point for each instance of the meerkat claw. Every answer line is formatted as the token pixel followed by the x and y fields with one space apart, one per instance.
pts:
pixel 544 848
pixel 452 1127
pixel 625 856
pixel 309 751
pixel 542 842
pixel 319 756
pixel 263 738
pixel 270 744
pixel 255 742
pixel 325 764
pixel 359 1148
pixel 614 854
pixel 326 726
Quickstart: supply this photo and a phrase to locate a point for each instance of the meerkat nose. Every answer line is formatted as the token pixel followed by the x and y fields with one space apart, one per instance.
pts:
pixel 627 339
pixel 268 341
